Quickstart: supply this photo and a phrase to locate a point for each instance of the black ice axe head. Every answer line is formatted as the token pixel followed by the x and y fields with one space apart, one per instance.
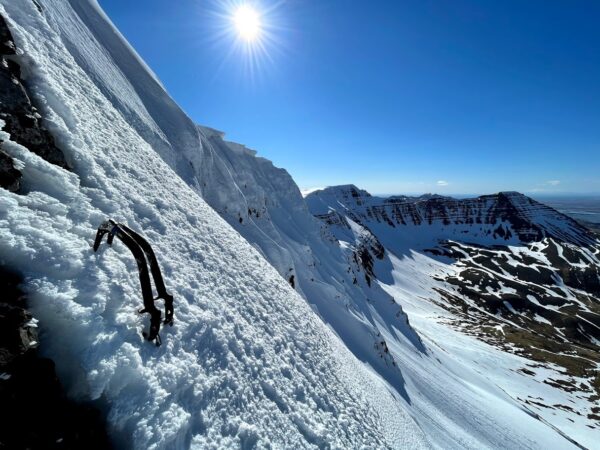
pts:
pixel 108 226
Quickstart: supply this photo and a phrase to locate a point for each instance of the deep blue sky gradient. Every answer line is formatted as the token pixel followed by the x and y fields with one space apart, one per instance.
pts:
pixel 396 96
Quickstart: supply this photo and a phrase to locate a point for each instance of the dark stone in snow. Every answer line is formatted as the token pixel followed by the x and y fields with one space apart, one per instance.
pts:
pixel 10 178
pixel 34 411
pixel 7 46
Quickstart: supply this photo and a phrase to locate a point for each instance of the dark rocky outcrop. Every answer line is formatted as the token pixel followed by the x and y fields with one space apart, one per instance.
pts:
pixel 21 119
pixel 34 411
pixel 367 248
pixel 7 45
pixel 10 177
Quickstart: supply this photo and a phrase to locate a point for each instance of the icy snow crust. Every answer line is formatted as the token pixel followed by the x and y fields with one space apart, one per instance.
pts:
pixel 264 204
pixel 247 362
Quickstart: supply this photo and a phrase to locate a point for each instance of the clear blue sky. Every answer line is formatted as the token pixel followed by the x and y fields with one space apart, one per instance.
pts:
pixel 449 96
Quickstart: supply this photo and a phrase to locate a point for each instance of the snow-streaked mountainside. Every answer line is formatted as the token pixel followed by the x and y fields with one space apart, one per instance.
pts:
pixel 507 217
pixel 504 268
pixel 291 331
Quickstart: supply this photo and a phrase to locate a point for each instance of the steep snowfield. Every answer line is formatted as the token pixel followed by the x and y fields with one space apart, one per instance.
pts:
pixel 480 375
pixel 264 204
pixel 247 361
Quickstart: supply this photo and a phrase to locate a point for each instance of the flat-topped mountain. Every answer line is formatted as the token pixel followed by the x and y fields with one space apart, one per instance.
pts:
pixel 508 216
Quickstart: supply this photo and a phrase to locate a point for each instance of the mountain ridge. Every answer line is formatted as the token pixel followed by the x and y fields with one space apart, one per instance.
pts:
pixel 529 220
pixel 511 271
pixel 247 361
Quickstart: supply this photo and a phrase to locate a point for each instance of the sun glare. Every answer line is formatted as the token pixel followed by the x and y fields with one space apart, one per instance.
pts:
pixel 247 22
pixel 249 32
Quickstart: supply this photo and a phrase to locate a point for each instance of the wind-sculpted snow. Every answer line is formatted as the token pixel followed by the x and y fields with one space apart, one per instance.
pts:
pixel 454 402
pixel 264 204
pixel 247 362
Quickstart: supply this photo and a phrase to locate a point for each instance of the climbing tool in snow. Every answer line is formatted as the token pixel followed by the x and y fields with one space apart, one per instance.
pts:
pixel 143 254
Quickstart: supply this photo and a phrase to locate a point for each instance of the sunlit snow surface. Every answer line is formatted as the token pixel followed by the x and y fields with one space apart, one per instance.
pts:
pixel 479 369
pixel 248 361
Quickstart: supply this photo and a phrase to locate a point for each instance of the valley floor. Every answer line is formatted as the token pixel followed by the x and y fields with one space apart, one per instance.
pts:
pixel 483 377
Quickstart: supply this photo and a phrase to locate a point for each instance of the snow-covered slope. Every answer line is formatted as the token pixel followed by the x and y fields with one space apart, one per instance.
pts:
pixel 247 361
pixel 250 361
pixel 458 394
pixel 264 204
pixel 510 271
pixel 267 208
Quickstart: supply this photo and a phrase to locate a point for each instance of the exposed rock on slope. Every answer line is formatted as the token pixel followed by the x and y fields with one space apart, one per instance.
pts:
pixel 20 118
pixel 507 216
pixel 10 177
pixel 35 412
pixel 514 273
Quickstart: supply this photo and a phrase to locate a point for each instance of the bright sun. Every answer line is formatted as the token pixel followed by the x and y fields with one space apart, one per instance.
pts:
pixel 252 30
pixel 247 22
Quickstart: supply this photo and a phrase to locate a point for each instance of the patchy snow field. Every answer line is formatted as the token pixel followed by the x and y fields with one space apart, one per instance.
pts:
pixel 465 386
pixel 475 369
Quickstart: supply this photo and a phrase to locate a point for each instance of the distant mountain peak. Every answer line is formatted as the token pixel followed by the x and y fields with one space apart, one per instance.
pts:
pixel 505 215
pixel 343 189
